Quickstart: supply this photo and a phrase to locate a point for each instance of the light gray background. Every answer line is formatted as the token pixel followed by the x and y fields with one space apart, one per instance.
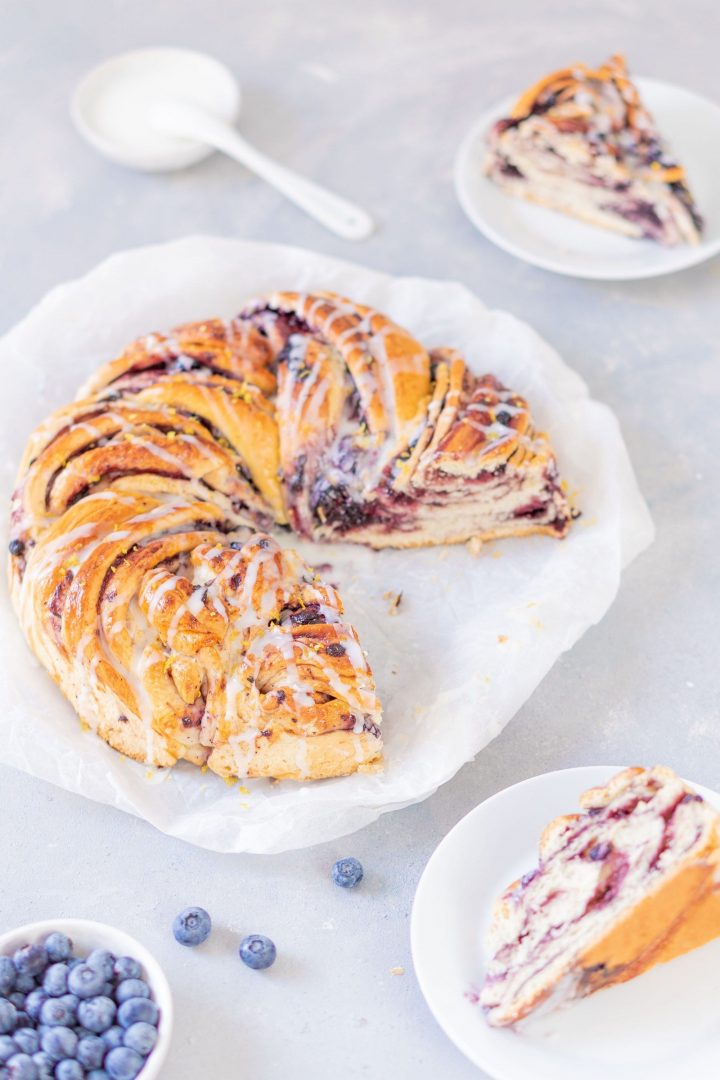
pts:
pixel 373 98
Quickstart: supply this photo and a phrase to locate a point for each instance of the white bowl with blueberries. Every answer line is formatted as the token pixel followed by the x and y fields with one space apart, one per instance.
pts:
pixel 81 1001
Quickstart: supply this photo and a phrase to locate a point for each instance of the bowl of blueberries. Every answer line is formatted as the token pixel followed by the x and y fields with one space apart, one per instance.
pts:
pixel 81 1001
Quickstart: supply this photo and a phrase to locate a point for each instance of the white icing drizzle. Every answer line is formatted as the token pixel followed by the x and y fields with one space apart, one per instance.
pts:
pixel 302 758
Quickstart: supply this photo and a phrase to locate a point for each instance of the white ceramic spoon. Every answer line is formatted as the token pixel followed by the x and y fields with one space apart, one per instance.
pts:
pixel 163 109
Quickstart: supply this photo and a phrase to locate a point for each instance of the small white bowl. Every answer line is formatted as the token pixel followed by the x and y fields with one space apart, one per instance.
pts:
pixel 87 935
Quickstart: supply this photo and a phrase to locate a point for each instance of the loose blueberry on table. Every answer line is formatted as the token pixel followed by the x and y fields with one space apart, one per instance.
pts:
pixel 257 952
pixel 65 1017
pixel 192 926
pixel 347 873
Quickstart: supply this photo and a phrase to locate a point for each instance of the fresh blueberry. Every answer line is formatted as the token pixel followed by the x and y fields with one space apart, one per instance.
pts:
pixel 90 1052
pixel 45 1066
pixel 131 988
pixel 69 1069
pixel 71 1001
pixel 102 960
pixel 141 1037
pixel 30 959
pixel 25 984
pixel 17 999
pixel 137 1010
pixel 21 1067
pixel 347 873
pixel 97 1014
pixel 192 926
pixel 113 1037
pixel 55 1013
pixel 123 1063
pixel 7 975
pixel 34 1002
pixel 257 952
pixel 7 1047
pixel 27 1040
pixel 59 1043
pixel 58 947
pixel 8 1017
pixel 85 981
pixel 97 1074
pixel 126 968
pixel 55 980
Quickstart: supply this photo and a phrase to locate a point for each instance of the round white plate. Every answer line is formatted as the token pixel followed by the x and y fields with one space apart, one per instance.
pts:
pixel 664 1024
pixel 691 126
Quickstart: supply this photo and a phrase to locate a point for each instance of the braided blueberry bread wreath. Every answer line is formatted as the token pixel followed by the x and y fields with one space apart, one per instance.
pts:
pixel 141 566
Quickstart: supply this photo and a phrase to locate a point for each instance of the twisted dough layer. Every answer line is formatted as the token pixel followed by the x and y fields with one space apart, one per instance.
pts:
pixel 179 631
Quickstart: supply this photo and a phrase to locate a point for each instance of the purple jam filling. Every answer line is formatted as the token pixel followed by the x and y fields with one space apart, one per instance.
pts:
pixel 305 616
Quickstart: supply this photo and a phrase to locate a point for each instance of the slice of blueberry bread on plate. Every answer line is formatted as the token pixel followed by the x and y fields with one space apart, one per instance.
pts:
pixel 581 141
pixel 632 880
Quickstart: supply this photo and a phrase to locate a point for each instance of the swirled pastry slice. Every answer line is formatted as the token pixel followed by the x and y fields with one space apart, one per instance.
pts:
pixel 582 142
pixel 385 444
pixel 631 881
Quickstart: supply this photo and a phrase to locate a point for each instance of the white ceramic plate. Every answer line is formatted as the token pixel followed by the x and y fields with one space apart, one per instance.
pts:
pixel 690 124
pixel 665 1024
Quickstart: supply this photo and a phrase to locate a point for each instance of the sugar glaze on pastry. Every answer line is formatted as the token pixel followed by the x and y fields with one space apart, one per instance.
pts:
pixel 141 566
pixel 631 881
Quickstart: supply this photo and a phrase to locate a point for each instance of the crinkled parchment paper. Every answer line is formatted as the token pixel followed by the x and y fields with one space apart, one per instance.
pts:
pixel 473 635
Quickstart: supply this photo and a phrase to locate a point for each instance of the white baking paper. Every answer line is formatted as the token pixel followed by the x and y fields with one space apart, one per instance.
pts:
pixel 474 635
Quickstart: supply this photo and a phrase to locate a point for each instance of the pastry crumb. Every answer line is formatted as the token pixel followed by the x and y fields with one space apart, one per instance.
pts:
pixel 502 638
pixel 496 554
pixel 397 970
pixel 395 601
pixel 474 545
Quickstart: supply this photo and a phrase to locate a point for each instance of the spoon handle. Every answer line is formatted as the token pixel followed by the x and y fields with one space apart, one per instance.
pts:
pixel 340 215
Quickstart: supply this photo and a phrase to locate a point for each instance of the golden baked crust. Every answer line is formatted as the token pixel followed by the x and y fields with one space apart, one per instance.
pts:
pixel 631 882
pixel 581 141
pixel 140 565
